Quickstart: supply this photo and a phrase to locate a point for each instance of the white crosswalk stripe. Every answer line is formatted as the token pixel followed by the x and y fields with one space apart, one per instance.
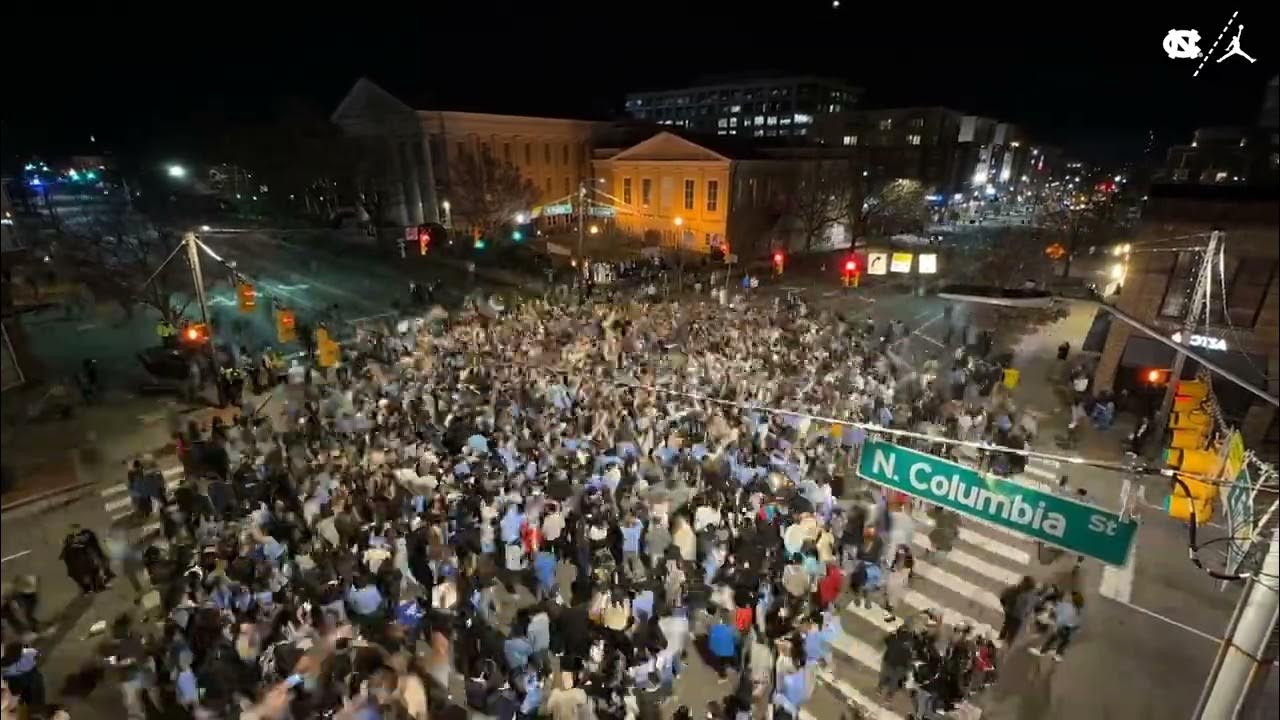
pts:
pixel 117 503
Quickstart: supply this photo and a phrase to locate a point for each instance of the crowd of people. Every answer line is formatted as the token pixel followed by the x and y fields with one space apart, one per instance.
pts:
pixel 543 513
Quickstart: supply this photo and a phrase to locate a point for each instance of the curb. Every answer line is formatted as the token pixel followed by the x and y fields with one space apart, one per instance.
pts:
pixel 51 499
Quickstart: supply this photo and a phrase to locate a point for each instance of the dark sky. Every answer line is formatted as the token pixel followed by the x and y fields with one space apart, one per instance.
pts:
pixel 1082 75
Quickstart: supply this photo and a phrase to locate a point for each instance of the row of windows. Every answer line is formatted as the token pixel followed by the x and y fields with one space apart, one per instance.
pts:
pixel 567 152
pixel 806 108
pixel 1249 280
pixel 769 132
pixel 690 186
pixel 852 140
pixel 740 94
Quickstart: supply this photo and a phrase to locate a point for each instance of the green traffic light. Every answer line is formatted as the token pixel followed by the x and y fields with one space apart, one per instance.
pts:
pixel 479 245
pixel 517 235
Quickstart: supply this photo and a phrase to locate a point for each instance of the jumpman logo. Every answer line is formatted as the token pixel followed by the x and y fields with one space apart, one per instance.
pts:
pixel 1234 47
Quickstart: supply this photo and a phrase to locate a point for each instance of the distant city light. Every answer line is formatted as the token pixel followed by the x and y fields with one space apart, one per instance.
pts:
pixel 520 218
pixel 177 171
pixel 205 228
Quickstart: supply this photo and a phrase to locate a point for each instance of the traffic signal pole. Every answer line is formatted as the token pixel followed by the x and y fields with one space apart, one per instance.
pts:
pixel 1199 303
pixel 197 281
pixel 1241 659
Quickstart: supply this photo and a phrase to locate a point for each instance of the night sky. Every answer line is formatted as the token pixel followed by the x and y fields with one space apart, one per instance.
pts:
pixel 1081 77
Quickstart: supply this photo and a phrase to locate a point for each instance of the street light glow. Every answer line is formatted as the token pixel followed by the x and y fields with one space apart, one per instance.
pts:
pixel 520 217
pixel 594 229
pixel 679 221
pixel 177 171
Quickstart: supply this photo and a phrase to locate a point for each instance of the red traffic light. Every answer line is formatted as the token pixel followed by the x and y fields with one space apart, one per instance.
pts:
pixel 850 266
pixel 195 333
pixel 777 258
pixel 1157 376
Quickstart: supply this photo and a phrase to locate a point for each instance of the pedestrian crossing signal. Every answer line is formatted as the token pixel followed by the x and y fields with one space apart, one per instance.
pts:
pixel 195 334
pixel 246 297
pixel 286 327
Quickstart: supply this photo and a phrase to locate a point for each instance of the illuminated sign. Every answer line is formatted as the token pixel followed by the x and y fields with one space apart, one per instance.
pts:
pixel 900 263
pixel 928 263
pixel 877 263
pixel 1207 342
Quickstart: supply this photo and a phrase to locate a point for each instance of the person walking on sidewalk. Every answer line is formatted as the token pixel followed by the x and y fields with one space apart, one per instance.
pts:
pixel 1066 615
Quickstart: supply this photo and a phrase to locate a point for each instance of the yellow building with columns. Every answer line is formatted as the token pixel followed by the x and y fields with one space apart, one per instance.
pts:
pixel 670 191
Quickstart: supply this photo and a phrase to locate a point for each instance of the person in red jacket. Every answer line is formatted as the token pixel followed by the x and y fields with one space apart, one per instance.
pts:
pixel 830 585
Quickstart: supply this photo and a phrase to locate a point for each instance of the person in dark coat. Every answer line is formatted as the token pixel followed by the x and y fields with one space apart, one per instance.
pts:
pixel 84 559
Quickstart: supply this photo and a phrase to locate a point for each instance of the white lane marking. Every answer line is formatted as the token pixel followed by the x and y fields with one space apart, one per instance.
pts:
pixel 978 565
pixel 115 505
pixel 869 707
pixel 1047 474
pixel 168 473
pixel 957 585
pixel 14 556
pixel 1171 621
pixel 1117 582
pixel 978 540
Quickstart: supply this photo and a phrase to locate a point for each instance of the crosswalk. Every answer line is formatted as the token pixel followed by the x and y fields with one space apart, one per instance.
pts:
pixel 118 505
pixel 962 586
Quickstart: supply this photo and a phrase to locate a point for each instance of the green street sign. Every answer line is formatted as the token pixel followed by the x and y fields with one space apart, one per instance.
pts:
pixel 1052 519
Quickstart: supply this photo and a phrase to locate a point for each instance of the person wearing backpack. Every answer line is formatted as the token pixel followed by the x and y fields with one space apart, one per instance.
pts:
pixel 1017 601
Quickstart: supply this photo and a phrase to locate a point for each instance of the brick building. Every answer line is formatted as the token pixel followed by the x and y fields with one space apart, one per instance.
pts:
pixel 1245 312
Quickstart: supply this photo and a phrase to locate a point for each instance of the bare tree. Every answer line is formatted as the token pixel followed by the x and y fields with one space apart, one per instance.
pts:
pixel 487 193
pixel 896 207
pixel 818 199
pixel 116 264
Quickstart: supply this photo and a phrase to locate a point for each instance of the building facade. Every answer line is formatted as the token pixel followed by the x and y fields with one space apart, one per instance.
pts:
pixel 1244 325
pixel 784 107
pixel 409 152
pixel 956 155
pixel 1231 155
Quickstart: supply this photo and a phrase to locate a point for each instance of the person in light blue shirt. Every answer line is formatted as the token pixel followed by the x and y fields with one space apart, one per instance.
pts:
pixel 517 651
pixel 511 523
pixel 185 687
pixel 544 569
pixel 363 598
pixel 794 691
pixel 642 605
pixel 1066 617
pixel 632 528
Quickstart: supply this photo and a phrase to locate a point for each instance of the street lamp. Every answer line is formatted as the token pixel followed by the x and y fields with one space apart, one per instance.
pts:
pixel 176 172
pixel 679 222
pixel 594 229
pixel 520 218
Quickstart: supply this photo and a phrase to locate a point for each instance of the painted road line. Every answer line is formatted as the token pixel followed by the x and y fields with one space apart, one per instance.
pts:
pixel 1171 621
pixel 1117 582
pixel 168 473
pixel 978 565
pixel 918 602
pixel 957 585
pixel 115 505
pixel 978 540
pixel 14 556
pixel 870 708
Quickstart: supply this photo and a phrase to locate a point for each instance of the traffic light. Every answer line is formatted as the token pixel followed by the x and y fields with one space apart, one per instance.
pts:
pixel 329 351
pixel 851 274
pixel 286 327
pixel 779 262
pixel 424 239
pixel 517 235
pixel 246 297
pixel 1156 376
pixel 195 334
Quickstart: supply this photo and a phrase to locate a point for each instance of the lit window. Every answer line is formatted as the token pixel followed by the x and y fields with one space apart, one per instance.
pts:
pixel 646 191
pixel 850 140
pixel 626 190
pixel 886 124
pixel 771 120
pixel 758 132
pixel 759 120
pixel 733 122
pixel 688 194
pixel 722 123
pixel 913 139
pixel 735 108
pixel 803 118
pixel 713 195
pixel 784 120
pixel 722 132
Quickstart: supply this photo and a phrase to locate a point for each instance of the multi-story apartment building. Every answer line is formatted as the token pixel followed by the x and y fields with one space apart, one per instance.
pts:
pixel 783 107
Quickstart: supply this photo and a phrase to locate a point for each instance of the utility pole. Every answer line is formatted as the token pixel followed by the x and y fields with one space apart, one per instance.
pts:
pixel 1240 659
pixel 582 224
pixel 1199 303
pixel 197 281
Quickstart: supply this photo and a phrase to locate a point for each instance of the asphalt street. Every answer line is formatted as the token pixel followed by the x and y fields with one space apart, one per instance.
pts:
pixel 1144 650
